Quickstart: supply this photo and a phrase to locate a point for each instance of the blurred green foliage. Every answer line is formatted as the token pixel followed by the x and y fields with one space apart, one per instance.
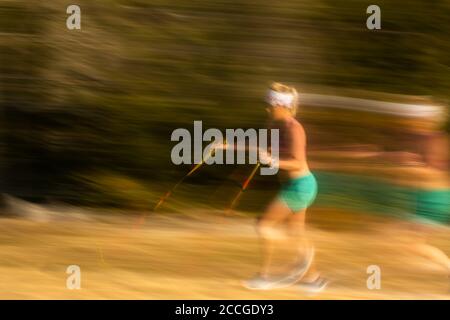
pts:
pixel 107 97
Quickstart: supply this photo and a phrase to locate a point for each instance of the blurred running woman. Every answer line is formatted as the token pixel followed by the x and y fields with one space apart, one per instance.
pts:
pixel 288 209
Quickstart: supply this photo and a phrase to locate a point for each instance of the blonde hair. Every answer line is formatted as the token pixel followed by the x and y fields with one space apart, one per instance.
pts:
pixel 281 88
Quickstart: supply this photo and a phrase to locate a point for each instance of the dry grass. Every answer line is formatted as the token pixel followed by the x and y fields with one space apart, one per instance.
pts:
pixel 200 257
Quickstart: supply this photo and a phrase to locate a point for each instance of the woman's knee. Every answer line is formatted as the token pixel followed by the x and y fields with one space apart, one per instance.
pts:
pixel 268 231
pixel 296 225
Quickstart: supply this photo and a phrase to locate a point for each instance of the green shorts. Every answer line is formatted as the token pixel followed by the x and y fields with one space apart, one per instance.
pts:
pixel 433 206
pixel 299 193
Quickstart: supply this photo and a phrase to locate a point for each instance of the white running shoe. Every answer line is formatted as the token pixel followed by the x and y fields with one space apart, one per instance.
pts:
pixel 258 283
pixel 315 286
pixel 266 283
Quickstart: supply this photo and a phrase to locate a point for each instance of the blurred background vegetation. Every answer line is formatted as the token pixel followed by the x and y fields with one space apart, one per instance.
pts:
pixel 86 115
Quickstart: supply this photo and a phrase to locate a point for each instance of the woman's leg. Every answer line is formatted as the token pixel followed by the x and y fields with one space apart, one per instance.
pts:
pixel 428 251
pixel 433 254
pixel 270 232
pixel 296 231
pixel 412 237
pixel 300 240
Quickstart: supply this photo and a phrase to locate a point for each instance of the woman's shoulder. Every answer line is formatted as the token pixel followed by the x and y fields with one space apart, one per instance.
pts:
pixel 295 126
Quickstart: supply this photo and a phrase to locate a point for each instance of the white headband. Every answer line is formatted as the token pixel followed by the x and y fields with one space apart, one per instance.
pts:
pixel 275 98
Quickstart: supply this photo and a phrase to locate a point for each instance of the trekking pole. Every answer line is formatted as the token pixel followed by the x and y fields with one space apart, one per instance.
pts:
pixel 171 190
pixel 195 168
pixel 243 188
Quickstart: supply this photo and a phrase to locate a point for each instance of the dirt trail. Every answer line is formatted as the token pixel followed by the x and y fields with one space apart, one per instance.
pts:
pixel 200 257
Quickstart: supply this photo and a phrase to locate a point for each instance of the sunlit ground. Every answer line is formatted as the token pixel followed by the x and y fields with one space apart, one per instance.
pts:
pixel 202 255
